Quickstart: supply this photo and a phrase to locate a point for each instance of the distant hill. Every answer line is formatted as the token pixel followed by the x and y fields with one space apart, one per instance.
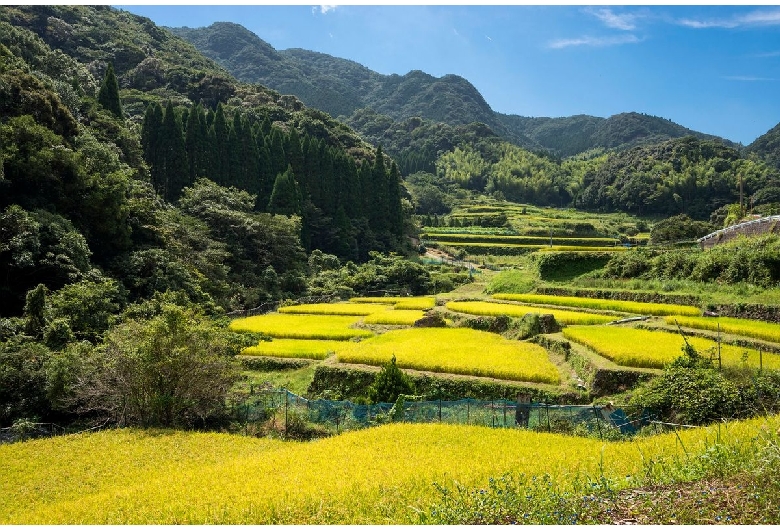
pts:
pixel 341 87
pixel 767 146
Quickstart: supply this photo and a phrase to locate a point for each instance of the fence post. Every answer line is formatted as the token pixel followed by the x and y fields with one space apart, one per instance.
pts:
pixel 285 411
pixel 547 407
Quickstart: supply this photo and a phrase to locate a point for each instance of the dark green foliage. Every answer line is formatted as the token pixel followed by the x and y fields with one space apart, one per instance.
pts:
pixel 286 196
pixel 389 383
pixel 173 370
pixel 754 260
pixel 23 381
pixel 108 96
pixel 690 391
pixel 679 228
pixel 767 146
pixel 37 248
pixel 563 266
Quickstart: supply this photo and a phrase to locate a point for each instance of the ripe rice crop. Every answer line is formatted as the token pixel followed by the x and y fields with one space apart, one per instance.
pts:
pixel 456 351
pixel 641 348
pixel 326 327
pixel 735 326
pixel 131 476
pixel 332 309
pixel 399 302
pixel 297 348
pixel 395 317
pixel 639 308
pixel 497 240
pixel 513 310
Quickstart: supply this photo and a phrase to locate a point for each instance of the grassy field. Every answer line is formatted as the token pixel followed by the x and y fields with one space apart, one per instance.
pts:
pixel 455 351
pixel 374 476
pixel 653 349
pixel 286 326
pixel 515 310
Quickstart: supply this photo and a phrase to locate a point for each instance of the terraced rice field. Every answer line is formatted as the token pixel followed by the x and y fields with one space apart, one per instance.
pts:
pixel 399 302
pixel 515 310
pixel 395 317
pixel 638 308
pixel 343 308
pixel 287 326
pixel 295 348
pixel 383 475
pixel 455 351
pixel 736 326
pixel 641 348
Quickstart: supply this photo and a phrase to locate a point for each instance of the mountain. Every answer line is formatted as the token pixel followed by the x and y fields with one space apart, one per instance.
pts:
pixel 767 146
pixel 341 87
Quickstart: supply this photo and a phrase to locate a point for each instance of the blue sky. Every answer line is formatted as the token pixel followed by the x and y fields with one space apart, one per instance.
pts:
pixel 714 69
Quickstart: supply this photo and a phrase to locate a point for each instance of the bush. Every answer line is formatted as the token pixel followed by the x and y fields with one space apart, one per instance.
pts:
pixel 390 383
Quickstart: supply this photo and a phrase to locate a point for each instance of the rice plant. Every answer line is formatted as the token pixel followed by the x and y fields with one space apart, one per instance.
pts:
pixel 286 326
pixel 517 310
pixel 639 308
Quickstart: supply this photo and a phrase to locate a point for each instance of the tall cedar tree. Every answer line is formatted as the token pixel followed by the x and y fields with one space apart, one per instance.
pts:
pixel 218 138
pixel 195 142
pixel 286 196
pixel 150 141
pixel 173 156
pixel 108 96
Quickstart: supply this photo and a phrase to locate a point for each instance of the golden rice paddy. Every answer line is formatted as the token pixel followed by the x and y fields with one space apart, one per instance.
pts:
pixel 562 316
pixel 382 475
pixel 286 326
pixel 639 308
pixel 641 348
pixel 455 351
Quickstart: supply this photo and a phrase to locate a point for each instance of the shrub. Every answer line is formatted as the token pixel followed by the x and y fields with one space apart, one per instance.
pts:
pixel 690 391
pixel 390 383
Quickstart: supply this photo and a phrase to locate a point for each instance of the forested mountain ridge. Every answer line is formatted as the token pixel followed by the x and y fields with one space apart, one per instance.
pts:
pixel 132 165
pixel 342 87
pixel 767 146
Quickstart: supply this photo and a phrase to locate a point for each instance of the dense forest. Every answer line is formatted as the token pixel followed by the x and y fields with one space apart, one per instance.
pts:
pixel 128 157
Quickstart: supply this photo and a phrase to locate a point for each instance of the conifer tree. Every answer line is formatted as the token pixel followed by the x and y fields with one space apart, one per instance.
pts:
pixel 220 163
pixel 195 144
pixel 286 196
pixel 173 155
pixel 108 96
pixel 150 142
pixel 395 209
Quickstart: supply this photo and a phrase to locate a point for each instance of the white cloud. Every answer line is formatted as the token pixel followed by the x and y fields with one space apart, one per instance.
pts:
pixel 613 20
pixel 595 42
pixel 324 9
pixel 754 18
pixel 747 78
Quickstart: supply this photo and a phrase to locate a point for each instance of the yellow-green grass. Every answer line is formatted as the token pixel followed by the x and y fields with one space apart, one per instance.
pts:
pixel 345 308
pixel 326 327
pixel 398 302
pixel 642 348
pixel 382 475
pixel 395 317
pixel 456 351
pixel 736 326
pixel 515 310
pixel 298 348
pixel 640 308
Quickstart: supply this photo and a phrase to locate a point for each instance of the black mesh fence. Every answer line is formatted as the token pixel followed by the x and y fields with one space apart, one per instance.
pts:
pixel 499 413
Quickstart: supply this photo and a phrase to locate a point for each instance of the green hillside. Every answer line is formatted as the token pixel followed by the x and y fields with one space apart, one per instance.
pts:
pixel 342 87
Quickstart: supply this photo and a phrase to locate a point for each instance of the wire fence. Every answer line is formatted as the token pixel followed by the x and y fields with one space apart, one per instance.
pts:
pixel 338 416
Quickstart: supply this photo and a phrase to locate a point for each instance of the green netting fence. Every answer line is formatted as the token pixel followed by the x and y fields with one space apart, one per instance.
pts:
pixel 499 413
